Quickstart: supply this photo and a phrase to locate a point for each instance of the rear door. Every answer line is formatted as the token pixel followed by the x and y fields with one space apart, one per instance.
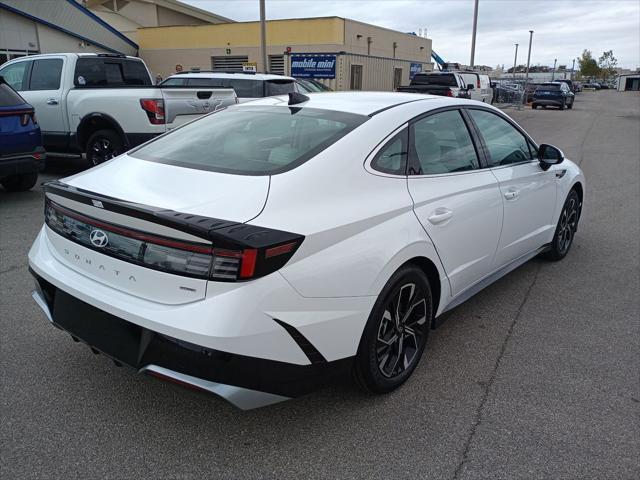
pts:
pixel 456 201
pixel 528 192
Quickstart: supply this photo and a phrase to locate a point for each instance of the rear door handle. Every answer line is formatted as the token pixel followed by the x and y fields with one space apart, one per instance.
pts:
pixel 440 215
pixel 511 194
pixel 52 101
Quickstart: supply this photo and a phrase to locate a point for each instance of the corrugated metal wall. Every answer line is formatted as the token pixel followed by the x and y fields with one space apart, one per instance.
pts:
pixel 377 72
pixel 68 16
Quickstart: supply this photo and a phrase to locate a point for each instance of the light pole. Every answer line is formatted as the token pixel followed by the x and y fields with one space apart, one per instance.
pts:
pixel 553 73
pixel 526 77
pixel 263 37
pixel 473 35
pixel 515 60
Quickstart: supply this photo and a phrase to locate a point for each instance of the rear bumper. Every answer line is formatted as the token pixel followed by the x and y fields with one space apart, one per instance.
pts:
pixel 17 164
pixel 551 102
pixel 247 382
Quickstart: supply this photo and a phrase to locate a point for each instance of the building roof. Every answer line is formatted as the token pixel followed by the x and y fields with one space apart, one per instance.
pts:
pixel 176 6
pixel 250 76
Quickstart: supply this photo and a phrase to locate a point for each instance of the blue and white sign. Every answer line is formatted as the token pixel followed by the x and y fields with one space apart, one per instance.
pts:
pixel 313 66
pixel 414 68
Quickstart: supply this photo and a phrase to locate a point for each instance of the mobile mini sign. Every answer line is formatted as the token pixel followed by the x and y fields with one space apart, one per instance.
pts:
pixel 313 66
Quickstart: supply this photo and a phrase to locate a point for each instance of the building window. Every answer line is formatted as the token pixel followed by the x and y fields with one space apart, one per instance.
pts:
pixel 397 78
pixel 356 77
pixel 228 63
pixel 276 64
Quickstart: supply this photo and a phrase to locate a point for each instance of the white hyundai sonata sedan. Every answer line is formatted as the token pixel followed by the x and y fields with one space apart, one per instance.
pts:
pixel 258 251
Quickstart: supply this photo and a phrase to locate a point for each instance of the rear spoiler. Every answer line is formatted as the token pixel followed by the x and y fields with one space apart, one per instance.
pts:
pixel 222 233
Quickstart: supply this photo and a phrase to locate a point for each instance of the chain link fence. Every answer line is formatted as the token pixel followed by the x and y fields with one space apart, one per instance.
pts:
pixel 509 94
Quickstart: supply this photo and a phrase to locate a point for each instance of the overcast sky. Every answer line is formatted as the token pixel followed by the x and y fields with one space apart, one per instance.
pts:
pixel 563 28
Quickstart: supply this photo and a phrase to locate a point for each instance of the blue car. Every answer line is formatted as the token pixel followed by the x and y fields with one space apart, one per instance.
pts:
pixel 21 153
pixel 553 94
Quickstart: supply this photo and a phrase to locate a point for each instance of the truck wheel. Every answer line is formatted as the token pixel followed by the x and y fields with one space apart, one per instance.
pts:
pixel 20 183
pixel 103 145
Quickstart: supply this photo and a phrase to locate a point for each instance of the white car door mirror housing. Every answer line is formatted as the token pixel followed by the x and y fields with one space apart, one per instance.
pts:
pixel 549 155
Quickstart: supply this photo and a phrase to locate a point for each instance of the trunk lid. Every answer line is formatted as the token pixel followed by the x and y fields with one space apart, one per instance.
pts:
pixel 121 260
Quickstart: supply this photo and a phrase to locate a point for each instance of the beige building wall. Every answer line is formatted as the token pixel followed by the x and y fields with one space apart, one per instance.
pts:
pixel 408 47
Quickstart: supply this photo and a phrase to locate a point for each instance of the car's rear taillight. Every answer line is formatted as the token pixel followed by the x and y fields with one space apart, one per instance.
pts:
pixel 154 107
pixel 26 116
pixel 198 260
pixel 449 92
pixel 478 84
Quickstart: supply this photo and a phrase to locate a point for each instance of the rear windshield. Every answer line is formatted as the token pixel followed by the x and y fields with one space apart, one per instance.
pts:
pixel 436 79
pixel 110 72
pixel 8 97
pixel 548 88
pixel 251 140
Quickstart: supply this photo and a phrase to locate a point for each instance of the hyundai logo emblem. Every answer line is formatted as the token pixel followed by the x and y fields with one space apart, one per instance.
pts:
pixel 98 238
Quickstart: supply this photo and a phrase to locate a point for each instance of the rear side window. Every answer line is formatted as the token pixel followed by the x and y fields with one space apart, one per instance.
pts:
pixel 45 74
pixel 110 72
pixel 392 158
pixel 251 140
pixel 441 143
pixel 245 88
pixel 16 75
pixel 174 82
pixel 8 97
pixel 279 87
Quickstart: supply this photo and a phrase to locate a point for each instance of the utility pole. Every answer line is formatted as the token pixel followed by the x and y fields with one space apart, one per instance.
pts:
pixel 473 35
pixel 553 73
pixel 572 68
pixel 526 78
pixel 515 59
pixel 263 37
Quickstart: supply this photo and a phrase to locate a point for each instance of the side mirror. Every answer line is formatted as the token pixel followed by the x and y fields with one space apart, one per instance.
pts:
pixel 549 155
pixel 470 86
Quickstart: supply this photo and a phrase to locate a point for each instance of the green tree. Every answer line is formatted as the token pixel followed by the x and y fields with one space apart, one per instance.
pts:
pixel 608 64
pixel 588 65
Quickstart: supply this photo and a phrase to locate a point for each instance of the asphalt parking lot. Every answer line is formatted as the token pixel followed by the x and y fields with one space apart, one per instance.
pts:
pixel 535 377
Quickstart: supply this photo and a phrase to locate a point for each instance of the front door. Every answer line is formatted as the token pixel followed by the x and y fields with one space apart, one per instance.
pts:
pixel 457 202
pixel 528 192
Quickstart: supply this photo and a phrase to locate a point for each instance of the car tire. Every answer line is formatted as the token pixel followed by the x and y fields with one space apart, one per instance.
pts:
pixel 391 347
pixel 566 228
pixel 103 145
pixel 20 183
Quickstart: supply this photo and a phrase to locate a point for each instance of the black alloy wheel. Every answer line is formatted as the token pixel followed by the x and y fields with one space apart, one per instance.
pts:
pixel 396 332
pixel 566 228
pixel 102 146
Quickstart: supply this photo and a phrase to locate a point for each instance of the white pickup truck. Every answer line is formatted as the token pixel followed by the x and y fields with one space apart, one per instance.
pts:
pixel 104 104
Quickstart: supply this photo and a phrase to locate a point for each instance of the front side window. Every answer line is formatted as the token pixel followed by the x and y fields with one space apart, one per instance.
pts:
pixel 15 75
pixel 441 143
pixel 279 87
pixel 245 88
pixel 505 144
pixel 392 158
pixel 110 72
pixel 251 140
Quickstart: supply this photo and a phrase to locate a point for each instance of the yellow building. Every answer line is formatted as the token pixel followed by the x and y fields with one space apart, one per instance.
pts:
pixel 344 54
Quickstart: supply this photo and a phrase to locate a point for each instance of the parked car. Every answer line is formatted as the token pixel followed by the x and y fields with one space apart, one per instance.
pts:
pixel 569 83
pixel 448 84
pixel 481 90
pixel 21 152
pixel 506 92
pixel 248 86
pixel 594 85
pixel 529 90
pixel 312 86
pixel 303 236
pixel 103 104
pixel 553 94
pixel 577 87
